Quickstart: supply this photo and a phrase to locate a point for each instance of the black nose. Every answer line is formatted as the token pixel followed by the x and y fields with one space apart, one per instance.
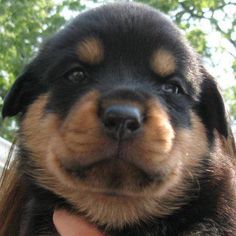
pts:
pixel 122 121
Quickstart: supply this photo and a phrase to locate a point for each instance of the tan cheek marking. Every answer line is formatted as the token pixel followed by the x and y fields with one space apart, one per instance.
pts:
pixel 38 129
pixel 191 145
pixel 35 128
pixel 163 62
pixel 81 140
pixel 152 147
pixel 90 51
pixel 82 132
pixel 159 128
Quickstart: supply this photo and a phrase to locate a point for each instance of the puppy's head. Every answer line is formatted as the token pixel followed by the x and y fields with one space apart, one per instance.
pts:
pixel 117 114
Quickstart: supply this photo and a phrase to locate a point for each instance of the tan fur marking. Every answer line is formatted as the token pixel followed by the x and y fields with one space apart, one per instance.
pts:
pixel 150 148
pixel 90 50
pixel 163 62
pixel 34 133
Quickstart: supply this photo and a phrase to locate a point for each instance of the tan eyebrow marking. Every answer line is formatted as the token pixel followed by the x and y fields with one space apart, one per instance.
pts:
pixel 163 62
pixel 90 50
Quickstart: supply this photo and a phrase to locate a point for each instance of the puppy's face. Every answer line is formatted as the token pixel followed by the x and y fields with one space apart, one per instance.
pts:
pixel 116 116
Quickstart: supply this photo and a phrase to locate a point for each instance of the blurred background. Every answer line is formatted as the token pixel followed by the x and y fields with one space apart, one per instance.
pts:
pixel 210 26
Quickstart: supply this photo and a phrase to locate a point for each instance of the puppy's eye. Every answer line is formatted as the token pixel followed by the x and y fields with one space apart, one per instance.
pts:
pixel 76 75
pixel 171 88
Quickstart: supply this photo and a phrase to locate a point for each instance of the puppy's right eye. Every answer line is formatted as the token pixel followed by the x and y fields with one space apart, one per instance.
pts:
pixel 76 75
pixel 171 88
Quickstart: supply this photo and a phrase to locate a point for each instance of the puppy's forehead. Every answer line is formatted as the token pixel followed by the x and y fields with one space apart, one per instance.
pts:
pixel 90 50
pixel 131 33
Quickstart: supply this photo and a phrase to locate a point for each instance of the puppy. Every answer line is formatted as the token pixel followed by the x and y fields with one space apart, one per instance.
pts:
pixel 119 123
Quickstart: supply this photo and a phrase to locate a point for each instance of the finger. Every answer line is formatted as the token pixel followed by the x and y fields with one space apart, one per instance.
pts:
pixel 70 225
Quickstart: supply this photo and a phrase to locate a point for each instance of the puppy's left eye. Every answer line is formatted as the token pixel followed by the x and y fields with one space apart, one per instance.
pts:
pixel 171 88
pixel 76 75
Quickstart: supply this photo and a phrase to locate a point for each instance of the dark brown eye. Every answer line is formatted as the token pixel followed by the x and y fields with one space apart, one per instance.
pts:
pixel 171 88
pixel 77 75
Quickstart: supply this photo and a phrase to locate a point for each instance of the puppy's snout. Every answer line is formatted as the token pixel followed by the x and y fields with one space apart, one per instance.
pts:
pixel 122 121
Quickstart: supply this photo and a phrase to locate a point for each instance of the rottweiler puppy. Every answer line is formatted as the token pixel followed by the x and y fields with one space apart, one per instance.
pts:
pixel 120 123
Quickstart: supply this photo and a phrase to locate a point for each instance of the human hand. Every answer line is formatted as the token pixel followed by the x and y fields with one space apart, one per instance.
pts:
pixel 70 225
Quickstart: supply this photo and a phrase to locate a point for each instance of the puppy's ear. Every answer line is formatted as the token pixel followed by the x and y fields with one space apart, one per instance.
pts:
pixel 212 109
pixel 20 95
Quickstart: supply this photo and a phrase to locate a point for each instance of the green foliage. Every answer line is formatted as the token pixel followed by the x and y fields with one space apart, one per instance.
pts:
pixel 163 5
pixel 198 40
pixel 230 95
pixel 190 12
pixel 24 24
pixel 234 68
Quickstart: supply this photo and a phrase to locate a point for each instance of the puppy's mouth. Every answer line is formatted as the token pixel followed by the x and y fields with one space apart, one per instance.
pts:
pixel 112 177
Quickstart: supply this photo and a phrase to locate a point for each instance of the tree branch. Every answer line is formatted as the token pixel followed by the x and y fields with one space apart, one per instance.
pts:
pixel 213 21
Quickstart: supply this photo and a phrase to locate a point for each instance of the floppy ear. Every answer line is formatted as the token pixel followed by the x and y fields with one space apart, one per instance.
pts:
pixel 212 109
pixel 20 95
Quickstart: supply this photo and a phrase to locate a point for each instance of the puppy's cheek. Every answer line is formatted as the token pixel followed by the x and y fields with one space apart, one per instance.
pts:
pixel 150 151
pixel 38 127
pixel 55 144
pixel 78 142
pixel 180 168
pixel 191 145
pixel 177 166
pixel 83 135
pixel 188 152
pixel 38 132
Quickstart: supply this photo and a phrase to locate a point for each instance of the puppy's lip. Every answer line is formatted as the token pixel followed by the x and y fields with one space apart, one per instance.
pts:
pixel 77 168
pixel 115 193
pixel 79 171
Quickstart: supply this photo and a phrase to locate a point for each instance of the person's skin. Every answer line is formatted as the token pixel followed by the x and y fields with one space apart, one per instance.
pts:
pixel 70 225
